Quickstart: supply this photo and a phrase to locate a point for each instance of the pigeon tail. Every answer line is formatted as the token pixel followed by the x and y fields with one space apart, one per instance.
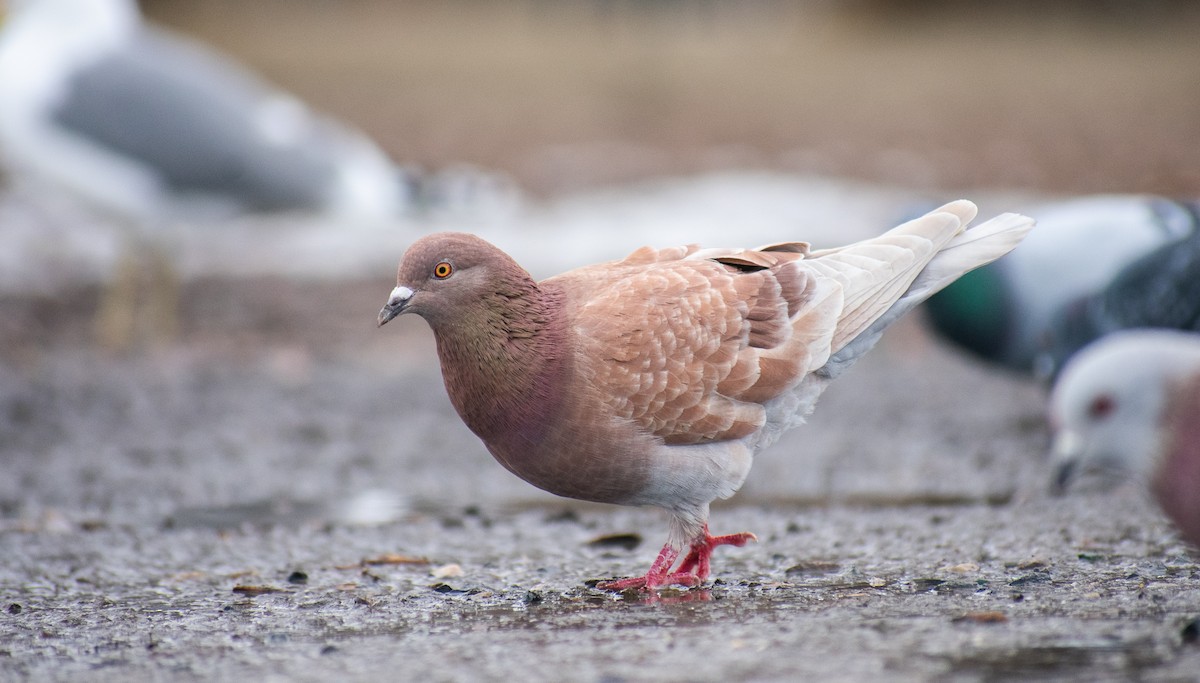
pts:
pixel 966 250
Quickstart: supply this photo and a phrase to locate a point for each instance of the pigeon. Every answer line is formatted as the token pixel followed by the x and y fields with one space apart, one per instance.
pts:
pixel 147 124
pixel 1158 290
pixel 1005 312
pixel 1129 403
pixel 654 379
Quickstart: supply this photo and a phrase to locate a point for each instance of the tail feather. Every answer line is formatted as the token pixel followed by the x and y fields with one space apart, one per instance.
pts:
pixel 875 273
pixel 970 249
pixel 962 251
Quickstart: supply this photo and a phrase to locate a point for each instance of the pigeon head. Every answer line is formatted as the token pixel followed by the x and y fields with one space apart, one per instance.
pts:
pixel 500 348
pixel 1108 406
pixel 448 277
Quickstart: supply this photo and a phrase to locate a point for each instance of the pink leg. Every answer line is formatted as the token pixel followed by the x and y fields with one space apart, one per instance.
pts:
pixel 693 570
pixel 658 570
pixel 696 562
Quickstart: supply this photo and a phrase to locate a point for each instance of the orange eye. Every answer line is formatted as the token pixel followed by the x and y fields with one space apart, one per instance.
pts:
pixel 442 270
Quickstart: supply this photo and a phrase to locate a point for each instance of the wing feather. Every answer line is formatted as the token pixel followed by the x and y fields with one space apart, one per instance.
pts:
pixel 697 345
pixel 690 347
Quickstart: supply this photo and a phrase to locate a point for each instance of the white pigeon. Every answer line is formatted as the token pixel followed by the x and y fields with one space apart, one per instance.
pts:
pixel 1130 403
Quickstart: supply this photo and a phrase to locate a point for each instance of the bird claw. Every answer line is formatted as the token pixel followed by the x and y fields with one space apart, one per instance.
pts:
pixel 621 585
pixel 686 579
pixel 692 571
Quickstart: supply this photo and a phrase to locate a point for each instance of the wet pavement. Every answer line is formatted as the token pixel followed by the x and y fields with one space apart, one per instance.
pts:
pixel 287 495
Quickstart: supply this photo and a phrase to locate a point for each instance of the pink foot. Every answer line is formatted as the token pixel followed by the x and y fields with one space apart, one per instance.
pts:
pixel 692 571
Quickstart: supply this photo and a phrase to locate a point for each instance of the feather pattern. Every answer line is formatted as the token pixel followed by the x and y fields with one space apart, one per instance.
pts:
pixel 655 378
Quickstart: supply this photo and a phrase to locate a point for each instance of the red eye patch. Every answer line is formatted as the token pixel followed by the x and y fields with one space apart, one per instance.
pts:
pixel 1101 407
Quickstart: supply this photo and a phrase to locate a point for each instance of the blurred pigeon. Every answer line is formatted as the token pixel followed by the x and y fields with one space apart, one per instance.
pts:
pixel 1130 403
pixel 142 121
pixel 1003 312
pixel 653 380
pixel 1158 290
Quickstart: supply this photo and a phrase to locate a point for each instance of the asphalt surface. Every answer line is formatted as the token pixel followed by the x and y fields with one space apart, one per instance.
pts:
pixel 282 492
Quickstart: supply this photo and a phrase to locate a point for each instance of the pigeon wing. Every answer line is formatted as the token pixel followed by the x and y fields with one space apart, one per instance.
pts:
pixel 688 344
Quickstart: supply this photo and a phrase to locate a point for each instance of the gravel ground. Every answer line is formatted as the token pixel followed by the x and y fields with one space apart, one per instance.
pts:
pixel 271 499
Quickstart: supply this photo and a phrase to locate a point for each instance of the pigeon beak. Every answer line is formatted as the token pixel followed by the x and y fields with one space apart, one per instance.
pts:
pixel 1063 476
pixel 396 304
pixel 1066 450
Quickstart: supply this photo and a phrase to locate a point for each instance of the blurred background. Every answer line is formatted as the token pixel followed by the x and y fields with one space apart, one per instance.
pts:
pixel 159 359
pixel 952 95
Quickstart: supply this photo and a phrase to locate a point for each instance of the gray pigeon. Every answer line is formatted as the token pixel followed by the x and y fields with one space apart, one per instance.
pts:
pixel 1130 403
pixel 1010 312
pixel 1158 290
pixel 655 379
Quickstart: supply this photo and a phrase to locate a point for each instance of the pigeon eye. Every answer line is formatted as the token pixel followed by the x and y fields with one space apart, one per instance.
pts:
pixel 1101 407
pixel 443 270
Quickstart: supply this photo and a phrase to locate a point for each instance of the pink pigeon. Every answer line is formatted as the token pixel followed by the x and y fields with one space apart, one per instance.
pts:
pixel 653 380
pixel 1130 403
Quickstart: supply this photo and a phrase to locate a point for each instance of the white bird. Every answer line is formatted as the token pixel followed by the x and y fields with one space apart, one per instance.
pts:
pixel 146 123
pixel 1130 403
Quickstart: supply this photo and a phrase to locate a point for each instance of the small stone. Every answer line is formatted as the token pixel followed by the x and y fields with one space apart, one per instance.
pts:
pixel 926 584
pixel 1029 578
pixel 447 571
pixel 627 541
pixel 297 577
pixel 963 568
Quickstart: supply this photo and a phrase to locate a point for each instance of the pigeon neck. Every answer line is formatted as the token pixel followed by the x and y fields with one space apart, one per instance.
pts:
pixel 975 312
pixel 503 360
